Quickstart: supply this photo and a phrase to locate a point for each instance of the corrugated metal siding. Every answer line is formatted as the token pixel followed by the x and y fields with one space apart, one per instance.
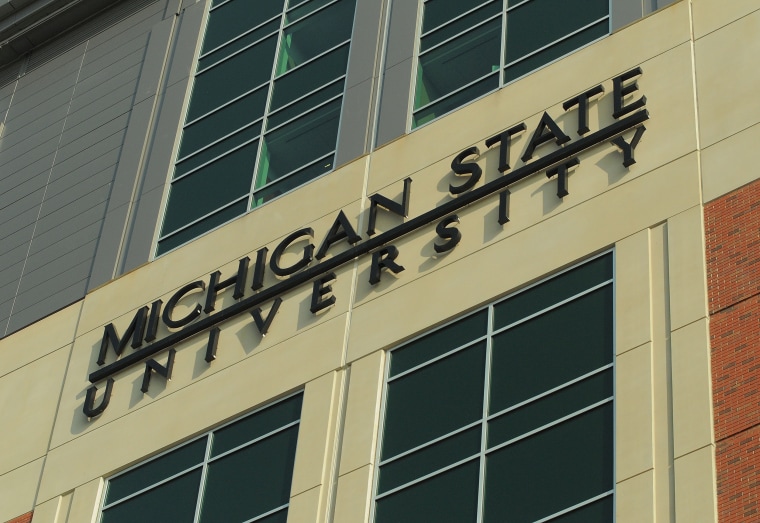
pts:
pixel 66 122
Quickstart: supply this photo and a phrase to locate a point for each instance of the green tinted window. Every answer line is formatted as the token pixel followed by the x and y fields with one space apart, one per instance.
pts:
pixel 264 113
pixel 252 481
pixel 463 41
pixel 522 413
pixel 425 405
pixel 308 38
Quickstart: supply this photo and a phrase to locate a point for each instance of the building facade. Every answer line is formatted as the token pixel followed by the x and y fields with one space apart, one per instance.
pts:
pixel 379 261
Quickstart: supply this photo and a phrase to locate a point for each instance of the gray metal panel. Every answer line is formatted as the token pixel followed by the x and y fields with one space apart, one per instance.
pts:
pixel 188 40
pixel 355 122
pixel 625 12
pixel 83 127
pixel 65 252
pixel 102 128
pixel 394 102
pixel 142 232
pixel 402 31
pixel 109 246
pixel 364 61
pixel 33 306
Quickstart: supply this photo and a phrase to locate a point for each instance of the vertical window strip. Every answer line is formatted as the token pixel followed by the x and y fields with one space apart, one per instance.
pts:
pixel 182 212
pixel 603 282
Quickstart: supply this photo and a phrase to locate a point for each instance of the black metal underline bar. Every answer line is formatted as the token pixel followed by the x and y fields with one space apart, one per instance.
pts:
pixel 542 164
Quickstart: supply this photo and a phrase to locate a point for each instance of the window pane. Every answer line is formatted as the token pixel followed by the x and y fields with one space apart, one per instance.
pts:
pixel 216 151
pixel 457 63
pixel 231 78
pixel 553 291
pixel 461 26
pixel 306 39
pixel 434 400
pixel 256 425
pixel 303 106
pixel 454 101
pixel 438 12
pixel 209 188
pixel 305 9
pixel 236 17
pixel 244 41
pixel 428 460
pixel 600 511
pixel 552 470
pixel 439 342
pixel 557 50
pixel 298 143
pixel 291 181
pixel 552 349
pixel 223 122
pixel 251 481
pixel 448 497
pixel 540 22
pixel 550 408
pixel 280 516
pixel 156 470
pixel 309 77
pixel 202 226
pixel 172 501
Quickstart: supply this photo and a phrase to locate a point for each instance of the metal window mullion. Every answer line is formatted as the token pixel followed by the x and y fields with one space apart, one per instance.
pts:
pixel 452 20
pixel 152 486
pixel 576 506
pixel 484 416
pixel 255 440
pixel 301 115
pixel 198 220
pixel 456 36
pixel 557 274
pixel 430 443
pixel 225 104
pixel 455 91
pixel 238 37
pixel 214 159
pixel 216 142
pixel 228 57
pixel 267 104
pixel 265 514
pixel 614 378
pixel 553 306
pixel 551 424
pixel 503 49
pixel 512 8
pixel 557 41
pixel 202 485
pixel 428 476
pixel 293 172
pixel 314 58
pixel 550 391
pixel 424 364
pixel 381 429
pixel 303 97
pixel 306 16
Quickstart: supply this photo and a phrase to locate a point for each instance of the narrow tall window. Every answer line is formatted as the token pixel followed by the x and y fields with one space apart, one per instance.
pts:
pixel 239 473
pixel 471 47
pixel 264 111
pixel 506 416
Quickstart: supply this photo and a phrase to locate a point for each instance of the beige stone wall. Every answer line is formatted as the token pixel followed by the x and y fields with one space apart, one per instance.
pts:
pixel 697 146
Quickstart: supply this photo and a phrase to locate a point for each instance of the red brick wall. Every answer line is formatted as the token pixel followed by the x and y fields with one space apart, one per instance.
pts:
pixel 26 518
pixel 732 238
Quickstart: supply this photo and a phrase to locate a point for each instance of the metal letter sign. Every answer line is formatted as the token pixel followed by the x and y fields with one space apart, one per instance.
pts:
pixel 318 269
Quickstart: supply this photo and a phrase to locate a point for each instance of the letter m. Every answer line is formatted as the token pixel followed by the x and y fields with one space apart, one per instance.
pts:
pixel 136 330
